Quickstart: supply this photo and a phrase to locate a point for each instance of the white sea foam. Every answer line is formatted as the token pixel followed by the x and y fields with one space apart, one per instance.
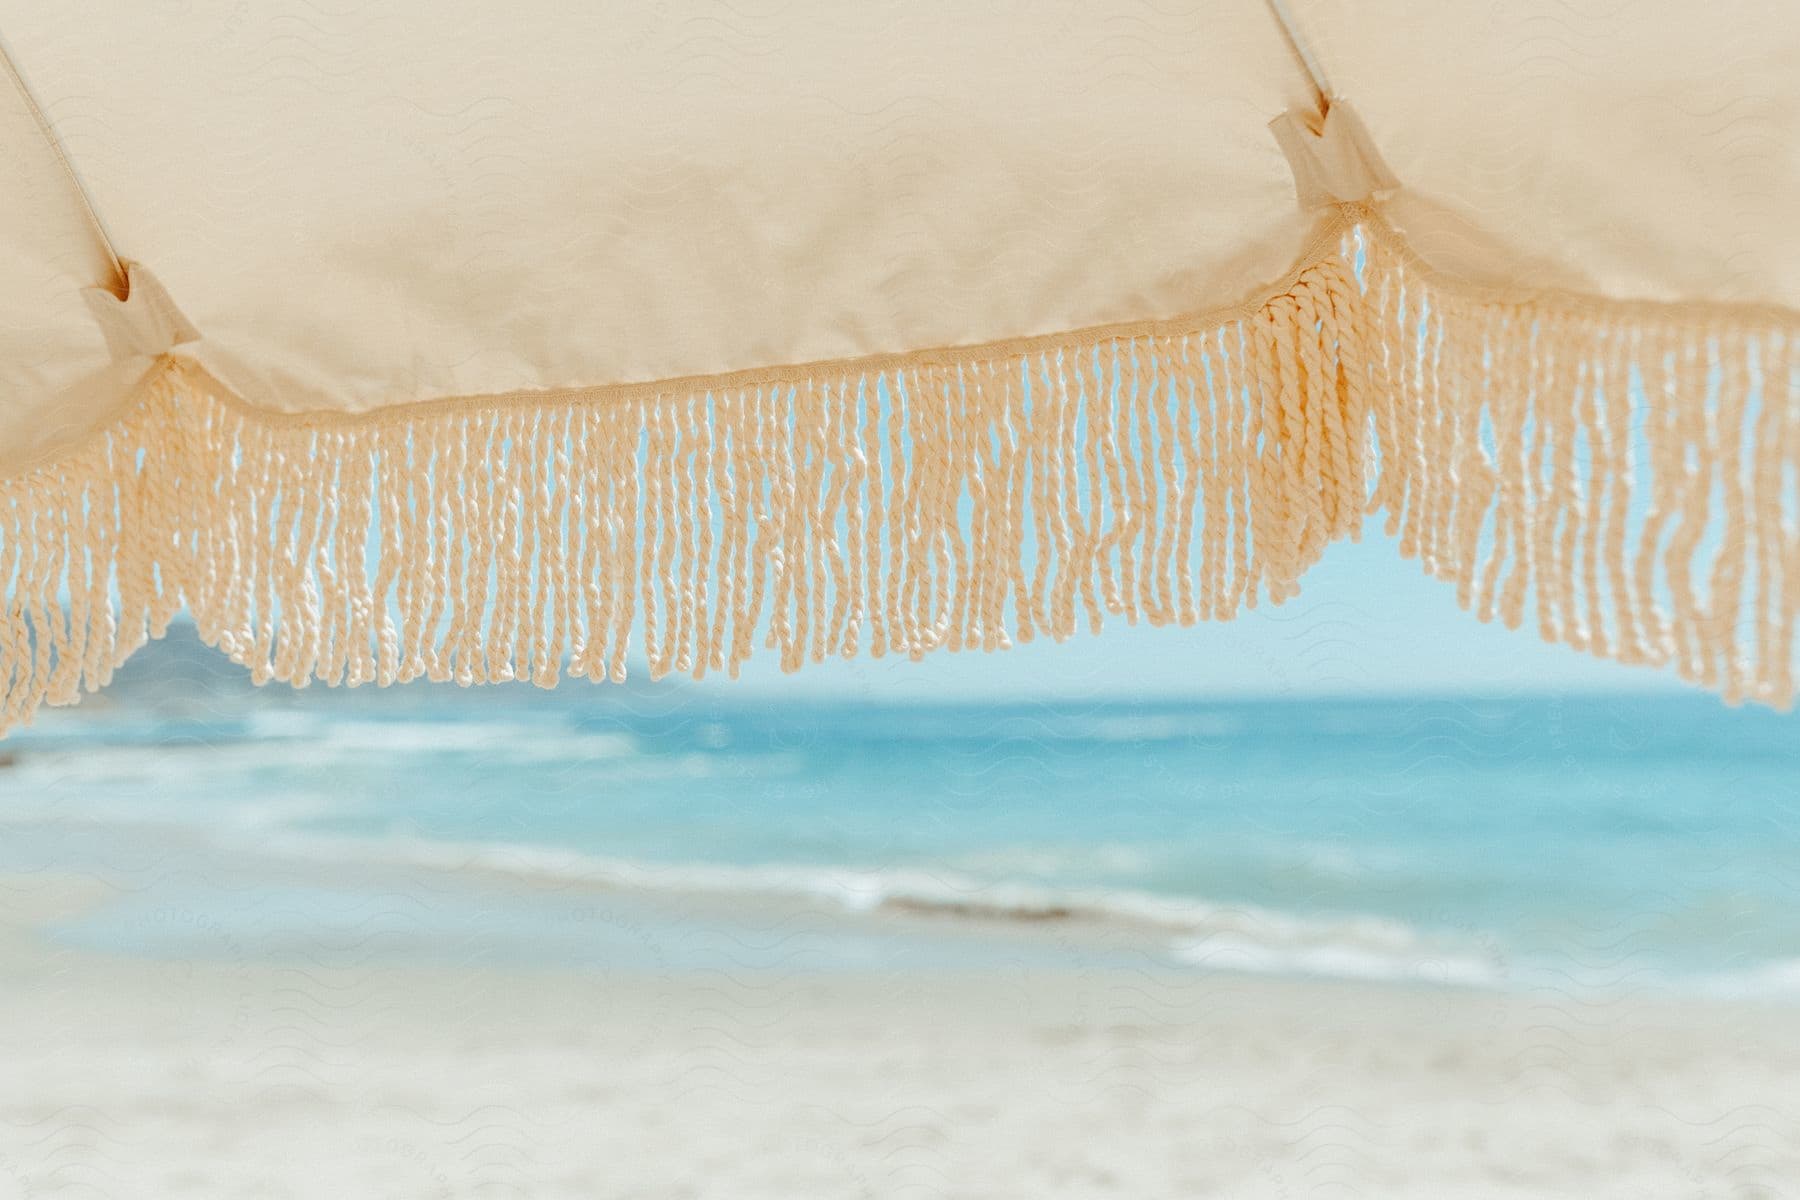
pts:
pixel 1216 936
pixel 301 741
pixel 1779 979
pixel 1411 959
pixel 1161 727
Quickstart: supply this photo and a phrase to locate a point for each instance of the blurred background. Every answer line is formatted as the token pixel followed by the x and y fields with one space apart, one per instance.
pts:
pixel 1162 886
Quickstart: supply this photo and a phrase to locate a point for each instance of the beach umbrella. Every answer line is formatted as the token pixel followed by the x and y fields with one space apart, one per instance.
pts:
pixel 475 342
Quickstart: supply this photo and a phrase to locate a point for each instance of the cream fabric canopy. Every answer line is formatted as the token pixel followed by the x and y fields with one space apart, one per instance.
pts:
pixel 481 341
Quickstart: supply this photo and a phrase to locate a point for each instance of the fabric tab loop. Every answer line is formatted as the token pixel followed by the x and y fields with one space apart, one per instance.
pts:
pixel 145 321
pixel 1333 157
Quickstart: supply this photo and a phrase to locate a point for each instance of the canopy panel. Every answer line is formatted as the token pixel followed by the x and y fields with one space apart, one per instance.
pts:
pixel 475 341
pixel 1643 152
pixel 381 204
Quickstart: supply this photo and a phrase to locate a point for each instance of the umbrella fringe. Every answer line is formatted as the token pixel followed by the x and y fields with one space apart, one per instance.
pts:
pixel 1625 476
pixel 1622 472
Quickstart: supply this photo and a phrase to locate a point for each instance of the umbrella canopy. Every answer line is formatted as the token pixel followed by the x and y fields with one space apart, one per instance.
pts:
pixel 480 342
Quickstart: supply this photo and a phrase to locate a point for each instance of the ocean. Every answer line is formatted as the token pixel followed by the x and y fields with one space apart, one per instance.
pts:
pixel 1605 843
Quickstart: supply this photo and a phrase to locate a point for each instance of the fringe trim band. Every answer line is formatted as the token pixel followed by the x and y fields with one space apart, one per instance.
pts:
pixel 1625 476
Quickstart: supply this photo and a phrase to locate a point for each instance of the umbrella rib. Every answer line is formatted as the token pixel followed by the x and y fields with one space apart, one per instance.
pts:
pixel 119 281
pixel 1309 61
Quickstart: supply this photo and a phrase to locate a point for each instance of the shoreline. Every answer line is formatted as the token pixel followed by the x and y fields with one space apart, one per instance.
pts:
pixel 174 892
pixel 177 893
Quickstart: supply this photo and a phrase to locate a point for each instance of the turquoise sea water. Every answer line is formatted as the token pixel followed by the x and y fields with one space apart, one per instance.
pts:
pixel 1516 842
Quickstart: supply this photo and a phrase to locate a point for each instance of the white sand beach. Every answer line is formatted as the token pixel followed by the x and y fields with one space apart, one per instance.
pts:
pixel 249 1079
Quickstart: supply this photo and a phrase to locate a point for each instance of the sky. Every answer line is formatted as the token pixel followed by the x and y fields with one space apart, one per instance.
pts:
pixel 1366 621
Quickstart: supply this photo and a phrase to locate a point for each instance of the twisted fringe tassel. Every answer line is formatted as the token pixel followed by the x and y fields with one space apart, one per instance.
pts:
pixel 1627 475
pixel 1170 477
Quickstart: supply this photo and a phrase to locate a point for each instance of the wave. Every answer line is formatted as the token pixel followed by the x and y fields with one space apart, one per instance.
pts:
pixel 1184 931
pixel 69 773
pixel 1776 979
pixel 1174 931
pixel 1415 961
